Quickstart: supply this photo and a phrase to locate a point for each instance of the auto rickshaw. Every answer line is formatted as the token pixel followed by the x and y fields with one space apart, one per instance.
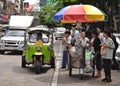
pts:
pixel 38 48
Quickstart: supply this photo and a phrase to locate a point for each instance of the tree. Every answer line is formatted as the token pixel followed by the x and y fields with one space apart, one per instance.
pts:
pixel 47 12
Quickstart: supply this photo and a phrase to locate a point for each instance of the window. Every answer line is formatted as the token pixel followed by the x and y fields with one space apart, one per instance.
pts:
pixel 17 33
pixel 42 2
pixel 38 36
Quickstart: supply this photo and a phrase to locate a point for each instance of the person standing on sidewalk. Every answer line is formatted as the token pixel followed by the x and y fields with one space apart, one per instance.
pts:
pixel 100 34
pixel 66 41
pixel 97 48
pixel 107 54
pixel 74 34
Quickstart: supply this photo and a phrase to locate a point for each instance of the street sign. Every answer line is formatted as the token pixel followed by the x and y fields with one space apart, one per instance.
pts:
pixel 42 2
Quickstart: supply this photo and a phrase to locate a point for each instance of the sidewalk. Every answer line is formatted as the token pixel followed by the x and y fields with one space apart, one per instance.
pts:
pixel 65 80
pixel 61 76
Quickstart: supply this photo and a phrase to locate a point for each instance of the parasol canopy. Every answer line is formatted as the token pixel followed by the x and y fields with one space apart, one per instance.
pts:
pixel 80 13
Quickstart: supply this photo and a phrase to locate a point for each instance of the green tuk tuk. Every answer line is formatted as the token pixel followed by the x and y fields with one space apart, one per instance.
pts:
pixel 38 48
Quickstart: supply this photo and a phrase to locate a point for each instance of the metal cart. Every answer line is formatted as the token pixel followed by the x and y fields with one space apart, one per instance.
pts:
pixel 81 62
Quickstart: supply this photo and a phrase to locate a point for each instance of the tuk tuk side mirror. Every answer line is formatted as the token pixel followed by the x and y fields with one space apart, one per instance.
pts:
pixel 50 31
pixel 26 47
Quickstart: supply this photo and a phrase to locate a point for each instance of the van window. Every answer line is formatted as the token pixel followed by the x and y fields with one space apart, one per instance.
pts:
pixel 18 33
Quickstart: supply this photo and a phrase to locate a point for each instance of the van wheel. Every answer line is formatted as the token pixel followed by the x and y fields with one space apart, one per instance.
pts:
pixel 20 52
pixel 23 62
pixel 2 51
pixel 56 38
pixel 37 67
pixel 52 62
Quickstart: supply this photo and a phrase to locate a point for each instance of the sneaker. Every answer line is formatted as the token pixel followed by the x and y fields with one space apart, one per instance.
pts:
pixel 109 80
pixel 103 80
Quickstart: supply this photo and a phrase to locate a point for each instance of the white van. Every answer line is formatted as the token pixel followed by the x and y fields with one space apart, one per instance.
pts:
pixel 59 32
pixel 13 40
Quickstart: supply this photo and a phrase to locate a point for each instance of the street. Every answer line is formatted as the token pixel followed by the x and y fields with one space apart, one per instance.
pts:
pixel 12 74
pixel 33 27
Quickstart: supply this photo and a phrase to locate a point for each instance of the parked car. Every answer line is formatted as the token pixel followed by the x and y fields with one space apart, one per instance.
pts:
pixel 59 32
pixel 13 40
pixel 117 57
pixel 117 37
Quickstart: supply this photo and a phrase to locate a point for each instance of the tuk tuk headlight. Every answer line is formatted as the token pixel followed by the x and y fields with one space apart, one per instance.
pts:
pixel 38 48
pixel 50 47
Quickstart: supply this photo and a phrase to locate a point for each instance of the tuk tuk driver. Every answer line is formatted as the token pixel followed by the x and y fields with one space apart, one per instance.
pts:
pixel 39 37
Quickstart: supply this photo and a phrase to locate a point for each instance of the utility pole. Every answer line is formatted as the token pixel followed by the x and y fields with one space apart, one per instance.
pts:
pixel 119 17
pixel 21 6
pixel 111 13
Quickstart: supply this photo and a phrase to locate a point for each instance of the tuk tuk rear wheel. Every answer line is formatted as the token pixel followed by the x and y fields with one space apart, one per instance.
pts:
pixel 52 62
pixel 37 67
pixel 23 62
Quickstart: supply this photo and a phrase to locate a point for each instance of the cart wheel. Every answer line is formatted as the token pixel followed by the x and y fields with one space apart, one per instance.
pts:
pixel 37 67
pixel 81 76
pixel 70 67
pixel 93 74
pixel 23 62
pixel 52 62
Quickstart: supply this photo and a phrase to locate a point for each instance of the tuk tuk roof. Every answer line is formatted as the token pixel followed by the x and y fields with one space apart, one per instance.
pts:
pixel 20 21
pixel 39 28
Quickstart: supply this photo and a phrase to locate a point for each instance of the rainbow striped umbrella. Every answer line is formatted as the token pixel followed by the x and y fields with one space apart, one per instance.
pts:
pixel 80 13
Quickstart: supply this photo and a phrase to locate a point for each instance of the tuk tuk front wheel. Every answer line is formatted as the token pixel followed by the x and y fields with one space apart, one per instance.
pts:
pixel 23 62
pixel 37 67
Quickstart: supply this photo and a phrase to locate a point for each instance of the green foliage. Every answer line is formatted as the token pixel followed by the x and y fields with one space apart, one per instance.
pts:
pixel 47 12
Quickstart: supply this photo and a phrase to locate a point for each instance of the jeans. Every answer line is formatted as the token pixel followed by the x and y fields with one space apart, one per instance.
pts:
pixel 65 58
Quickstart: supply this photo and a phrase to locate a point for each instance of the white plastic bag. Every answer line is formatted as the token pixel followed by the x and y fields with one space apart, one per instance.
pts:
pixel 88 69
pixel 73 52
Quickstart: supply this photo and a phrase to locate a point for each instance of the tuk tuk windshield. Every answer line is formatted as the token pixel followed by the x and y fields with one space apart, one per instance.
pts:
pixel 38 36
